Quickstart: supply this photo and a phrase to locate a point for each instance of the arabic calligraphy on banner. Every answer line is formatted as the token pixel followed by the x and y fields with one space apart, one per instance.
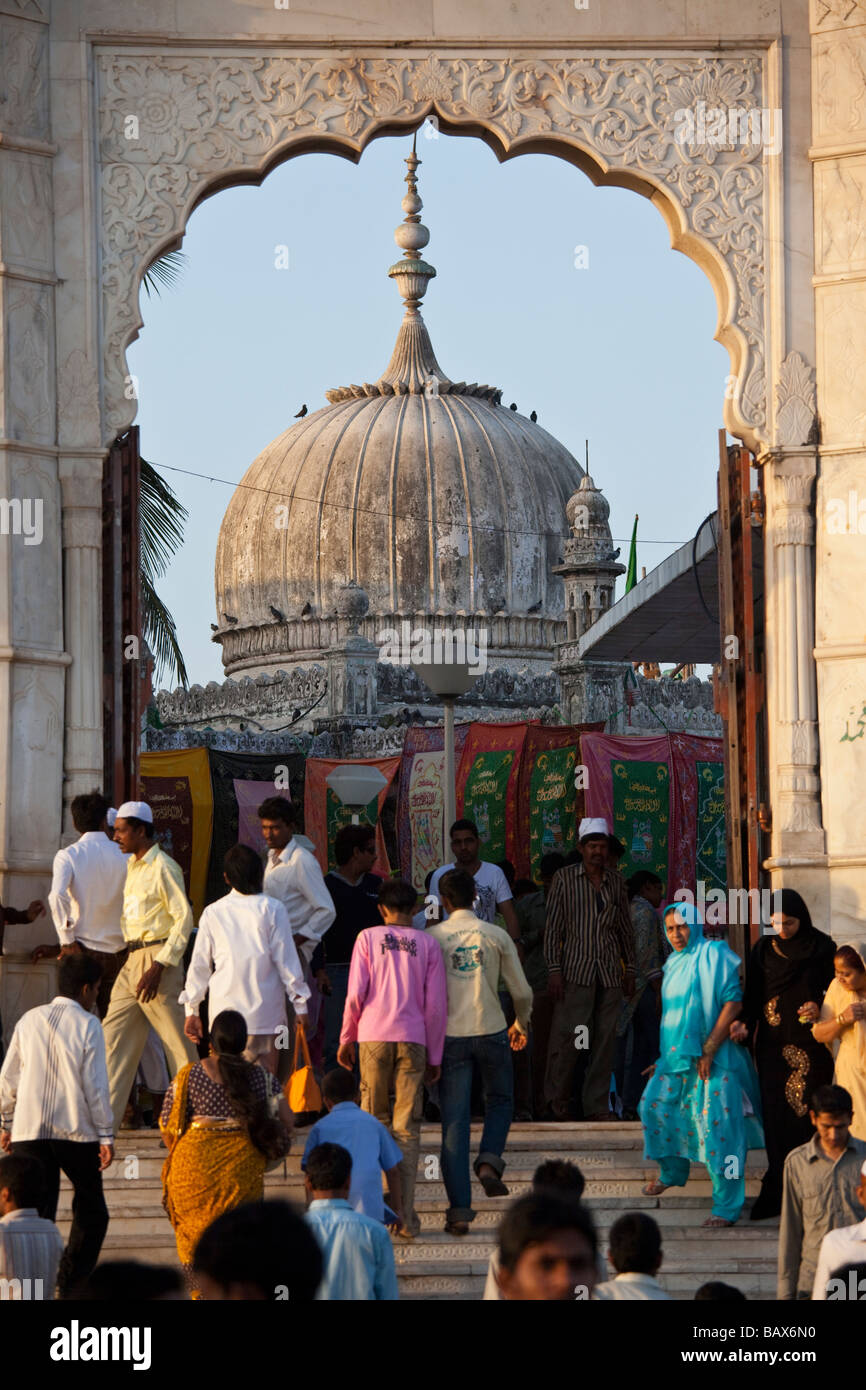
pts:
pixel 711 850
pixel 641 813
pixel 552 799
pixel 484 799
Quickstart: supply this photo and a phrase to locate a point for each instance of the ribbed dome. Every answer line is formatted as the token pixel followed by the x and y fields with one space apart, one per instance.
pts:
pixel 446 507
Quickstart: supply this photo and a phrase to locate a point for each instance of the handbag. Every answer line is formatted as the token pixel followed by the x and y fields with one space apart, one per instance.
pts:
pixel 302 1089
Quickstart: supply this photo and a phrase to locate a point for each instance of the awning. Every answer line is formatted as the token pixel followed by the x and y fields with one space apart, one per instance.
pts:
pixel 662 619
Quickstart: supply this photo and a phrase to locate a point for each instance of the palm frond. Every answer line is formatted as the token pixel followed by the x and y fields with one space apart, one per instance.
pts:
pixel 165 272
pixel 161 518
pixel 161 635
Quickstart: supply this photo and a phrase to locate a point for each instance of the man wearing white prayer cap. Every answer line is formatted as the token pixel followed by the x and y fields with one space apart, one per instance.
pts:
pixel 156 923
pixel 589 949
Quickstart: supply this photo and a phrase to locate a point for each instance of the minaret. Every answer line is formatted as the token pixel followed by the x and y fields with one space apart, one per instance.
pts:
pixel 589 690
pixel 589 568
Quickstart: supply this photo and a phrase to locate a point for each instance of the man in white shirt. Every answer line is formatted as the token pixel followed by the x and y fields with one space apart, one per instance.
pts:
pixel 30 1246
pixel 844 1246
pixel 293 875
pixel 54 1106
pixel 636 1254
pixel 86 898
pixel 244 954
pixel 476 953
pixel 492 893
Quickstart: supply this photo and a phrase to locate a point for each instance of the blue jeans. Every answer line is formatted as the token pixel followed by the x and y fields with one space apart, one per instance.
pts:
pixel 493 1056
pixel 335 1003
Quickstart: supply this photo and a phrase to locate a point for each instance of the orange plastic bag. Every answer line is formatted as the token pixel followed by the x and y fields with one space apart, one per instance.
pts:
pixel 302 1089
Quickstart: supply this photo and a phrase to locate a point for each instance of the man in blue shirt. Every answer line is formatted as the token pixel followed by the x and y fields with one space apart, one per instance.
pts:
pixel 369 1145
pixel 357 1253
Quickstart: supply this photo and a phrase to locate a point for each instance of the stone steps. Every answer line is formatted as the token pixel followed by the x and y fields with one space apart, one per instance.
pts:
pixel 437 1266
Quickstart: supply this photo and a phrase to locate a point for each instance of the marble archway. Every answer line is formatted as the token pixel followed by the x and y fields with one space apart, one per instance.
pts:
pixel 204 122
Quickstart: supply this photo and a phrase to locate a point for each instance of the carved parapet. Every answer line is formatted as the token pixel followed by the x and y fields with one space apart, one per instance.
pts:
pixel 261 698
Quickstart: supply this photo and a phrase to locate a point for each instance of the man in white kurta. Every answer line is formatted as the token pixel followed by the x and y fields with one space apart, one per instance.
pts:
pixel 293 875
pixel 245 956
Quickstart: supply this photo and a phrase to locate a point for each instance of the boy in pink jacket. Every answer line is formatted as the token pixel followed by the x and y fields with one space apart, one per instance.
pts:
pixel 396 1010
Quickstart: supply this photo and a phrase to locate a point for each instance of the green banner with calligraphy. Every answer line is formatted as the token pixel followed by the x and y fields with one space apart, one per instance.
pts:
pixel 485 799
pixel 711 851
pixel 641 815
pixel 552 798
pixel 339 815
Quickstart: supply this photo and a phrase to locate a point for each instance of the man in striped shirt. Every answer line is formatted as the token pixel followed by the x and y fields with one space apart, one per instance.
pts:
pixel 54 1106
pixel 589 949
pixel 30 1245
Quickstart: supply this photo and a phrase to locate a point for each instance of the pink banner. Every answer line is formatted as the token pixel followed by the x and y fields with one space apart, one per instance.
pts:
pixel 249 796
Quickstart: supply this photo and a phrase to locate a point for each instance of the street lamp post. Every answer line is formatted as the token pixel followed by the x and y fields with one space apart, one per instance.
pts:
pixel 448 680
pixel 355 785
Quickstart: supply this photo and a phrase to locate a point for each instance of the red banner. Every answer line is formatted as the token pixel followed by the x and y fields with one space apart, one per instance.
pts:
pixel 324 814
pixel 487 786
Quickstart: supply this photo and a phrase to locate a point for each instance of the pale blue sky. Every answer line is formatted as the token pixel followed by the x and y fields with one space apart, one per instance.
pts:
pixel 621 352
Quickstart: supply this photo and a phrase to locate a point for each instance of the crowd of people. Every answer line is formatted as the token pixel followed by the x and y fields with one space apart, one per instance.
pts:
pixel 577 996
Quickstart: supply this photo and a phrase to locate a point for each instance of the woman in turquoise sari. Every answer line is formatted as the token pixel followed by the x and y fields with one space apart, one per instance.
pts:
pixel 702 1102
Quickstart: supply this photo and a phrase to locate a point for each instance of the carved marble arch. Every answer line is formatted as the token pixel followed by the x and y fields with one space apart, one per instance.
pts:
pixel 205 122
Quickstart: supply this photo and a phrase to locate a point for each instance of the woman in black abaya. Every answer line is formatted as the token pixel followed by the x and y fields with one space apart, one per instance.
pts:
pixel 786 978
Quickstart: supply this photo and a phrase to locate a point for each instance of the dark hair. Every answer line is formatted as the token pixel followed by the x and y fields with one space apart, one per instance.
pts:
pixel 228 1037
pixel 851 957
pixel 558 1175
pixel 464 824
pixel 328 1167
pixel 549 863
pixel 509 871
pixel 244 869
pixel 538 1216
pixel 339 1085
pixel 138 824
pixel 266 1244
pixel 88 811
pixel 134 1280
pixel 458 887
pixel 75 972
pixel 831 1100
pixel 615 847
pixel 636 884
pixel 277 808
pixel 844 1273
pixel 635 1243
pixel 25 1178
pixel 397 895
pixel 716 1292
pixel 574 856
pixel 521 886
pixel 349 838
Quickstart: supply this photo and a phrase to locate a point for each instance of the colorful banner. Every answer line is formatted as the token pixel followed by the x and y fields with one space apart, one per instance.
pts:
pixel 641 814
pixel 421 801
pixel 324 813
pixel 689 752
pixel 177 787
pixel 696 805
pixel 549 805
pixel 249 796
pixel 267 774
pixel 711 850
pixel 600 753
pixel 487 786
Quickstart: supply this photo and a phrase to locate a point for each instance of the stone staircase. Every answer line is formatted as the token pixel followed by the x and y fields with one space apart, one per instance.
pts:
pixel 438 1266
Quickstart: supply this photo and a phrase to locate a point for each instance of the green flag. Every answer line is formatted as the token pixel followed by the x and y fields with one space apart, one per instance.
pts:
pixel 631 573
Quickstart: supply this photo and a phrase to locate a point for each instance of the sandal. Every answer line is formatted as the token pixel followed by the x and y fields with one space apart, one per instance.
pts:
pixel 717 1222
pixel 655 1188
pixel 493 1185
pixel 457 1228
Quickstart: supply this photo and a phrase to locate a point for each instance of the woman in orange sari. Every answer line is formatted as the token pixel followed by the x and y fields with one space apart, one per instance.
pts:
pixel 223 1121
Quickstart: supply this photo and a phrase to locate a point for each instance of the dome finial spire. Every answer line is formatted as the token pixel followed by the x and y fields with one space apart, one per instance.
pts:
pixel 412 274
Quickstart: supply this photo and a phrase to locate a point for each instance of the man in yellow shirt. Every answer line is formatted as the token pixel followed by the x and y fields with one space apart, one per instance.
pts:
pixel 156 923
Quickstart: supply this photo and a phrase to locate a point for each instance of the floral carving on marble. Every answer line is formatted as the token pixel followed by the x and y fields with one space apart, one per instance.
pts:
pixel 795 401
pixel 203 118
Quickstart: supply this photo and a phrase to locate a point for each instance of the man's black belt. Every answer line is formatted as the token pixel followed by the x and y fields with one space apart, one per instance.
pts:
pixel 140 945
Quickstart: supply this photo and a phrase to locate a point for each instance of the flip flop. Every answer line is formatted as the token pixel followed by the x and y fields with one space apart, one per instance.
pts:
pixel 655 1188
pixel 493 1185
pixel 717 1223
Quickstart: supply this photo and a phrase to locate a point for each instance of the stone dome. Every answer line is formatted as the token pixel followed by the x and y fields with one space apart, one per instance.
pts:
pixel 446 508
